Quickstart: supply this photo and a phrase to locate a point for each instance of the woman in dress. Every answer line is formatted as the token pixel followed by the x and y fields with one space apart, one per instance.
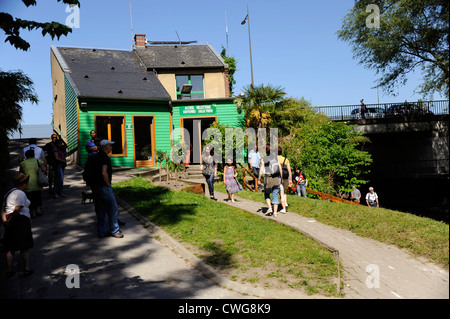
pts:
pixel 230 181
pixel 16 219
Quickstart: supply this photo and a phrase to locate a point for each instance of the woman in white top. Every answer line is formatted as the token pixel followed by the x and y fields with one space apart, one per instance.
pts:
pixel 372 198
pixel 16 219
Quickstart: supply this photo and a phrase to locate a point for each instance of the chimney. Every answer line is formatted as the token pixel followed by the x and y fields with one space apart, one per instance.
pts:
pixel 140 40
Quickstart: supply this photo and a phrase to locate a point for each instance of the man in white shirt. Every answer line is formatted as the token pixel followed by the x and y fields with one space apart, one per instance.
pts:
pixel 38 152
pixel 372 198
pixel 253 161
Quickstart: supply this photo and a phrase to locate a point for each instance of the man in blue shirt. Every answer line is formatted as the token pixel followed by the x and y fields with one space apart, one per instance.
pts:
pixel 91 147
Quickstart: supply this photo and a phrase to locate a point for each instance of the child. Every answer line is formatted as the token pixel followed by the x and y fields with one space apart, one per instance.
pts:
pixel 230 181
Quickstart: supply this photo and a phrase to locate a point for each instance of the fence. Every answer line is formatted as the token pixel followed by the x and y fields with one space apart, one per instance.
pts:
pixel 385 110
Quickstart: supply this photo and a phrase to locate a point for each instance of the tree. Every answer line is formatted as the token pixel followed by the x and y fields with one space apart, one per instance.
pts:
pixel 410 34
pixel 12 26
pixel 16 87
pixel 258 102
pixel 328 152
pixel 232 68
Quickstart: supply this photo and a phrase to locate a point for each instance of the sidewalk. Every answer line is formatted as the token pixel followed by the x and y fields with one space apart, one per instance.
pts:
pixel 137 266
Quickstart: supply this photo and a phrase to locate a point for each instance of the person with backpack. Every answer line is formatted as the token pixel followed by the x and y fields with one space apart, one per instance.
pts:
pixel 105 203
pixel 301 182
pixel 287 179
pixel 271 168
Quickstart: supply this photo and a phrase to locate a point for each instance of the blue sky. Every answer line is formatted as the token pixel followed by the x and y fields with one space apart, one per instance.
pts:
pixel 294 44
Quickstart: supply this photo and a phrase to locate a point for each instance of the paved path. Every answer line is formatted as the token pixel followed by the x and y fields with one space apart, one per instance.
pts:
pixel 137 266
pixel 400 275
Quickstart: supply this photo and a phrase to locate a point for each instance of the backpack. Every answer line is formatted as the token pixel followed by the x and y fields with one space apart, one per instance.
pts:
pixel 285 170
pixel 271 165
pixel 88 173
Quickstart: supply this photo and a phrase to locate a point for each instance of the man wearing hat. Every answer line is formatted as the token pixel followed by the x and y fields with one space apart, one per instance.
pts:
pixel 106 205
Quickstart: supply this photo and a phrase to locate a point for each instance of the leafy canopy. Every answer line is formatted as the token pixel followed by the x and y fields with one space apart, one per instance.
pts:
pixel 411 34
pixel 13 26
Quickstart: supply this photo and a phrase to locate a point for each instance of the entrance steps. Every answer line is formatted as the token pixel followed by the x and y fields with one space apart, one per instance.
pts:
pixel 193 172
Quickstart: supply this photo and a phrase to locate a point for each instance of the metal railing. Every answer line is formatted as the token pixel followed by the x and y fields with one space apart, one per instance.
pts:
pixel 385 110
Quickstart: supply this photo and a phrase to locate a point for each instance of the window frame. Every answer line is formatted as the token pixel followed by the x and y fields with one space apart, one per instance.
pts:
pixel 123 133
pixel 179 94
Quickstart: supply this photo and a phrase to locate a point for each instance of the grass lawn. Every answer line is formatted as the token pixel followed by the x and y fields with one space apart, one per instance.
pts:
pixel 245 247
pixel 420 236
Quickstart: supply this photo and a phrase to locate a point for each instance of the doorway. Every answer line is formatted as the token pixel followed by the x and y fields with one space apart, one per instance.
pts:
pixel 144 141
pixel 195 127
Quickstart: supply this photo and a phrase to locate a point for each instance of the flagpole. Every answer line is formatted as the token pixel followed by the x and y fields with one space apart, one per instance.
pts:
pixel 250 44
pixel 226 30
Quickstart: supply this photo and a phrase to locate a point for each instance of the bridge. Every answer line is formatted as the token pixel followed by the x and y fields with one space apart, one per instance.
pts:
pixel 410 151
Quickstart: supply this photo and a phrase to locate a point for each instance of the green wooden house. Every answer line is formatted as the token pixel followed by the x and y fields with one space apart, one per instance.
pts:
pixel 139 98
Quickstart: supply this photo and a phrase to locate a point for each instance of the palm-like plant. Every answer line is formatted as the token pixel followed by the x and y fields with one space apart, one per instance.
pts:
pixel 259 102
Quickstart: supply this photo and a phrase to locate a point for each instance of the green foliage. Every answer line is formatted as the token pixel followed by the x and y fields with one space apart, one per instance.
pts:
pixel 15 88
pixel 12 26
pixel 328 152
pixel 411 34
pixel 258 102
pixel 232 68
pixel 161 156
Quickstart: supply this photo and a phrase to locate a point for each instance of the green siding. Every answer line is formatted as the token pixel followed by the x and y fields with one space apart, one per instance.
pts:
pixel 127 109
pixel 226 113
pixel 71 116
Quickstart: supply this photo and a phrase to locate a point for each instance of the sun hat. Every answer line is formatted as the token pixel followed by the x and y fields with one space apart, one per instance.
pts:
pixel 20 179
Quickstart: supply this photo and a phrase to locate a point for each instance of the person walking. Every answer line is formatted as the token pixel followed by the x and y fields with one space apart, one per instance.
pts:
pixel 286 182
pixel 363 109
pixel 229 179
pixel 106 205
pixel 271 168
pixel 60 156
pixel 372 198
pixel 33 191
pixel 16 218
pixel 51 162
pixel 254 158
pixel 38 152
pixel 355 195
pixel 209 170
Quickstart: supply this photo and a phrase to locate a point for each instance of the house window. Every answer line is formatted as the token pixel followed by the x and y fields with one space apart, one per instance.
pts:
pixel 197 91
pixel 112 128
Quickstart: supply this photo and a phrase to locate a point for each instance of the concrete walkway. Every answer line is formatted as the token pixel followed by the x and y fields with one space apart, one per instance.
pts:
pixel 371 269
pixel 137 266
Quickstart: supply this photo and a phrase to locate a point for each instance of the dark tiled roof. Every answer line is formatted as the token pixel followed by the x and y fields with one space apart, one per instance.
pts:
pixel 179 56
pixel 116 74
